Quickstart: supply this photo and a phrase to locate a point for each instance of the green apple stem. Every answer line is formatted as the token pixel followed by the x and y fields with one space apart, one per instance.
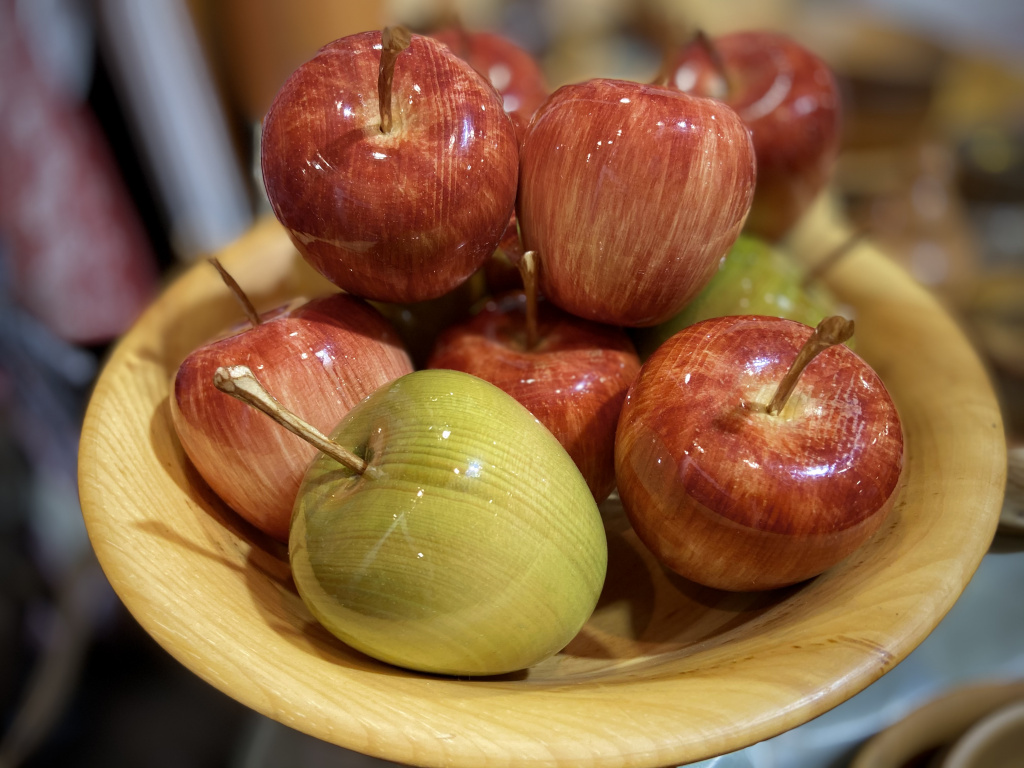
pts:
pixel 239 382
pixel 830 331
pixel 394 40
pixel 824 265
pixel 236 290
pixel 527 266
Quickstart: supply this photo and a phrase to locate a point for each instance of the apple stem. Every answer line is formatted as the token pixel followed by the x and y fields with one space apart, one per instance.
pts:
pixel 394 40
pixel 830 331
pixel 701 38
pixel 239 382
pixel 669 37
pixel 527 266
pixel 664 75
pixel 824 265
pixel 236 290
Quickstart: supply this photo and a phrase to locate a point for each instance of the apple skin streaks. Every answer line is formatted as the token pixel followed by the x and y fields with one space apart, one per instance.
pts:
pixel 320 359
pixel 631 194
pixel 734 498
pixel 574 381
pixel 403 216
pixel 513 71
pixel 790 100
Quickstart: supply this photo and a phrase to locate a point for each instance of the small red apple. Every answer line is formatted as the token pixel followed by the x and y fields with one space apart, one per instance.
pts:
pixel 324 355
pixel 789 99
pixel 735 488
pixel 393 169
pixel 514 73
pixel 631 194
pixel 571 374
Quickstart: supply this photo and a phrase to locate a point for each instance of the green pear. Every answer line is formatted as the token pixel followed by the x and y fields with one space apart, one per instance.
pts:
pixel 754 278
pixel 469 545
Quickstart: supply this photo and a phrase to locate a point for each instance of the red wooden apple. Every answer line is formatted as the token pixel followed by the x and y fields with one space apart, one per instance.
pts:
pixel 733 495
pixel 789 99
pixel 394 170
pixel 514 73
pixel 325 356
pixel 631 194
pixel 572 374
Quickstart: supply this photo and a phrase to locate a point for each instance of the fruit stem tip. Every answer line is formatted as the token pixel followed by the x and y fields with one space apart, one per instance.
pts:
pixel 830 331
pixel 236 290
pixel 240 382
pixel 394 40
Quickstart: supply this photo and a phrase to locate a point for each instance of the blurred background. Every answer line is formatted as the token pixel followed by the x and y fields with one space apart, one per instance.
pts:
pixel 129 137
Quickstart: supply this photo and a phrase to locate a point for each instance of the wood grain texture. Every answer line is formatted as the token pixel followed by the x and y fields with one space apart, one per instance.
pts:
pixel 665 672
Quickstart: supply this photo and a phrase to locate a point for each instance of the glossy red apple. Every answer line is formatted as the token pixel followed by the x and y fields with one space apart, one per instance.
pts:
pixel 735 497
pixel 513 71
pixel 324 355
pixel 571 374
pixel 789 99
pixel 396 188
pixel 631 194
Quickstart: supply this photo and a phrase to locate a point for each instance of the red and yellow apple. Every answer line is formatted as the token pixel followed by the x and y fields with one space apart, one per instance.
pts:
pixel 324 356
pixel 631 194
pixel 394 188
pixel 731 495
pixel 573 378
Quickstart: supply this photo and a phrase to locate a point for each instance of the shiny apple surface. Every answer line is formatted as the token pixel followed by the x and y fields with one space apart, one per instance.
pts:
pixel 573 379
pixel 631 194
pixel 319 359
pixel 791 102
pixel 469 546
pixel 403 216
pixel 512 70
pixel 734 498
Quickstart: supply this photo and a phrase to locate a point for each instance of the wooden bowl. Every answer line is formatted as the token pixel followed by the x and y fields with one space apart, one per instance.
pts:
pixel 665 672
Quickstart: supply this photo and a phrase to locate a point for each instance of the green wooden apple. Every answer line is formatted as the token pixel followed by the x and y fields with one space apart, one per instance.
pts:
pixel 469 545
pixel 754 278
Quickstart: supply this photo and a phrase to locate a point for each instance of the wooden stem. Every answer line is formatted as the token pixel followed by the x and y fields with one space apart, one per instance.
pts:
pixel 239 294
pixel 670 37
pixel 830 331
pixel 394 40
pixel 665 69
pixel 824 265
pixel 700 38
pixel 527 266
pixel 239 382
